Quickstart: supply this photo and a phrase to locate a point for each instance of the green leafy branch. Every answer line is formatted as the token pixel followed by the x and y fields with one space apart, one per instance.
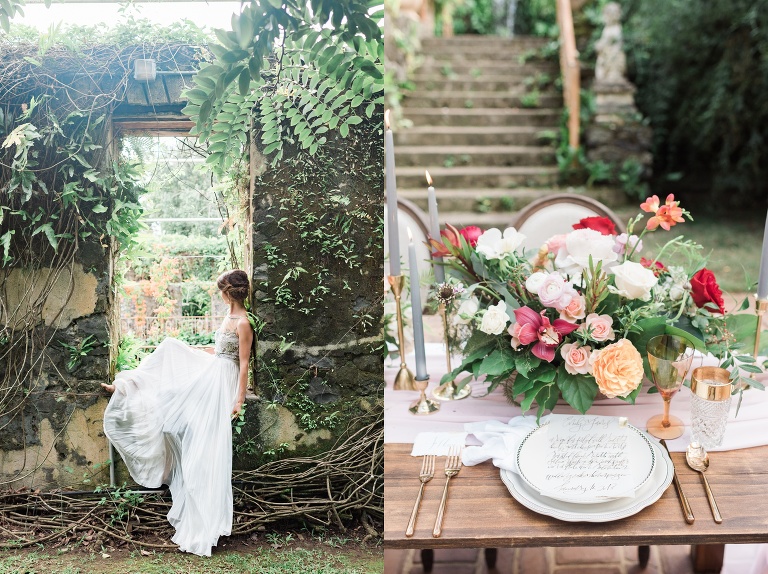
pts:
pixel 315 83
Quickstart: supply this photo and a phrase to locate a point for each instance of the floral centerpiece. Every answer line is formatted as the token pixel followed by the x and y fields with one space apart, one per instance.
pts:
pixel 573 320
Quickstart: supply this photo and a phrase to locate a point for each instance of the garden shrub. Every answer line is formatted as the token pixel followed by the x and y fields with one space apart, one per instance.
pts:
pixel 701 70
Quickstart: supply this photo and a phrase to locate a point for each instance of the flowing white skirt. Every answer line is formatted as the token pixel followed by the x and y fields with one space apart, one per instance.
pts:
pixel 170 421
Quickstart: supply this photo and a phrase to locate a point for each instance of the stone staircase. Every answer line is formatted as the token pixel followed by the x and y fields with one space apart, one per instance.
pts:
pixel 483 113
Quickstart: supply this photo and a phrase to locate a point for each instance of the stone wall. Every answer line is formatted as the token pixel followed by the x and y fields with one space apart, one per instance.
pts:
pixel 318 295
pixel 56 438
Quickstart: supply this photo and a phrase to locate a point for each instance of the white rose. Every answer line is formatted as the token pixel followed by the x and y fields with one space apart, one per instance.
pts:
pixel 466 311
pixel 634 281
pixel 493 245
pixel 535 280
pixel 580 244
pixel 495 319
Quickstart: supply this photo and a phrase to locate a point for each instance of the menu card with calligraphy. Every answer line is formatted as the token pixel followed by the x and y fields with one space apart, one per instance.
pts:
pixel 585 458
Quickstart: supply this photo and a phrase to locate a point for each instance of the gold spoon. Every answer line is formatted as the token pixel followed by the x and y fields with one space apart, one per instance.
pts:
pixel 698 459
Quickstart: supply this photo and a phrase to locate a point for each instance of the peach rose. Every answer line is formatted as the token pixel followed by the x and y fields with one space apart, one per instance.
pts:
pixel 618 369
pixel 599 327
pixel 576 358
pixel 575 310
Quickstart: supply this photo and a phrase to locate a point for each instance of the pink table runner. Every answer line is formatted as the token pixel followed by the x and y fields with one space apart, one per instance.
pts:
pixel 747 430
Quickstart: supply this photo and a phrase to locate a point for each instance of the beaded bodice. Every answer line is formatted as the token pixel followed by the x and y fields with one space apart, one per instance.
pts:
pixel 227 345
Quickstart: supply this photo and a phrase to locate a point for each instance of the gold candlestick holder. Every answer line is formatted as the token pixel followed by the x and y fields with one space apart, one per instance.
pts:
pixel 761 306
pixel 423 405
pixel 404 380
pixel 448 391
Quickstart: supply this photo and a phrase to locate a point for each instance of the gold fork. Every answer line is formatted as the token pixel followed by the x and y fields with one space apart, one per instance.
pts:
pixel 452 468
pixel 426 474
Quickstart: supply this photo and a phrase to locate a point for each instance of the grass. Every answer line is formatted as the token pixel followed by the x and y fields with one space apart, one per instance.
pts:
pixel 731 247
pixel 260 560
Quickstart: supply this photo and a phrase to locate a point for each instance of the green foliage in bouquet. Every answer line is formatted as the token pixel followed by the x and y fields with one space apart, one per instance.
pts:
pixel 573 320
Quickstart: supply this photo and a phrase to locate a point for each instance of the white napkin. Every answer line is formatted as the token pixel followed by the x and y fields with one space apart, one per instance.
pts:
pixel 437 443
pixel 500 441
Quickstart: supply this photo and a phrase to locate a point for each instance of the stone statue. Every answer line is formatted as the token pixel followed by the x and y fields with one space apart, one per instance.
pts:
pixel 611 66
pixel 616 135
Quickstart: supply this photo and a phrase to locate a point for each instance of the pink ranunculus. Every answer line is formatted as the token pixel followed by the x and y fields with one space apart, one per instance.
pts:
pixel 537 328
pixel 471 233
pixel 552 290
pixel 575 310
pixel 576 358
pixel 599 327
pixel 569 294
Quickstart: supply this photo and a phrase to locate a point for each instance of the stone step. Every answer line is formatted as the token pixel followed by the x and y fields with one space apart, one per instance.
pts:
pixel 467 69
pixel 459 219
pixel 478 199
pixel 482 100
pixel 491 56
pixel 478 177
pixel 480 117
pixel 490 52
pixel 473 41
pixel 471 135
pixel 506 83
pixel 465 155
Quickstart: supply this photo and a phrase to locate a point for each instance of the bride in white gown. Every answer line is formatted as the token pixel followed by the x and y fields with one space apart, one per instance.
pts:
pixel 170 420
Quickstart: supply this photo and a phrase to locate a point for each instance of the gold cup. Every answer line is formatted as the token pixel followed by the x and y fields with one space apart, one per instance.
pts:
pixel 711 383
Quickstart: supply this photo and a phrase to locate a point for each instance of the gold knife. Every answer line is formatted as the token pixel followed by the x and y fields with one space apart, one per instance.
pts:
pixel 687 512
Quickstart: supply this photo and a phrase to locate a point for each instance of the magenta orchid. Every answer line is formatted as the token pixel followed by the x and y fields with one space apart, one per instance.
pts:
pixel 536 327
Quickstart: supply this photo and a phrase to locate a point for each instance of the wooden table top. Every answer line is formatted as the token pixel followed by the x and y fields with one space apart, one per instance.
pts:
pixel 481 512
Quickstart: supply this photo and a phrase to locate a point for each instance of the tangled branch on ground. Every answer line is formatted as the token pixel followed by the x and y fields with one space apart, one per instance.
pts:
pixel 325 489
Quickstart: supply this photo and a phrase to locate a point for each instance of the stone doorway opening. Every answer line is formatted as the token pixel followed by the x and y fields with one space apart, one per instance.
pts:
pixel 165 279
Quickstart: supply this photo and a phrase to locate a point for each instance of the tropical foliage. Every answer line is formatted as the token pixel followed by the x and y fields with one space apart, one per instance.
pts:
pixel 318 79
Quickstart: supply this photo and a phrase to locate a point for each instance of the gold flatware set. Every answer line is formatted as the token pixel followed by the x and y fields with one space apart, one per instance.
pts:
pixel 698 460
pixel 452 468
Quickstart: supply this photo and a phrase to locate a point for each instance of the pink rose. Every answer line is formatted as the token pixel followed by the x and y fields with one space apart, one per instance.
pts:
pixel 575 310
pixel 555 242
pixel 599 327
pixel 576 358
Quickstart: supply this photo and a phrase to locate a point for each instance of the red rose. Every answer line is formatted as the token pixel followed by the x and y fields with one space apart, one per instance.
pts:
pixel 705 290
pixel 602 224
pixel 471 234
pixel 658 267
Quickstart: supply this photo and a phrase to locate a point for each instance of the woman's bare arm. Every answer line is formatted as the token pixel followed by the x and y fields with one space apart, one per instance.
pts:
pixel 245 336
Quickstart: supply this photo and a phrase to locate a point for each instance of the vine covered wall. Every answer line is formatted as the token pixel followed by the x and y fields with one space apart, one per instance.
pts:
pixel 317 289
pixel 67 205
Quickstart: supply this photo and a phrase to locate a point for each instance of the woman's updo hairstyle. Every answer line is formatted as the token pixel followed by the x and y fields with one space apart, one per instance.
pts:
pixel 234 284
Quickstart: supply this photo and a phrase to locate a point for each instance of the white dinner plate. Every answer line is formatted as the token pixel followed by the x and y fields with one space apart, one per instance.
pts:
pixel 534 451
pixel 615 509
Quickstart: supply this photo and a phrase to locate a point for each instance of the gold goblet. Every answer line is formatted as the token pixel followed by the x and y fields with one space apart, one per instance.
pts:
pixel 669 357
